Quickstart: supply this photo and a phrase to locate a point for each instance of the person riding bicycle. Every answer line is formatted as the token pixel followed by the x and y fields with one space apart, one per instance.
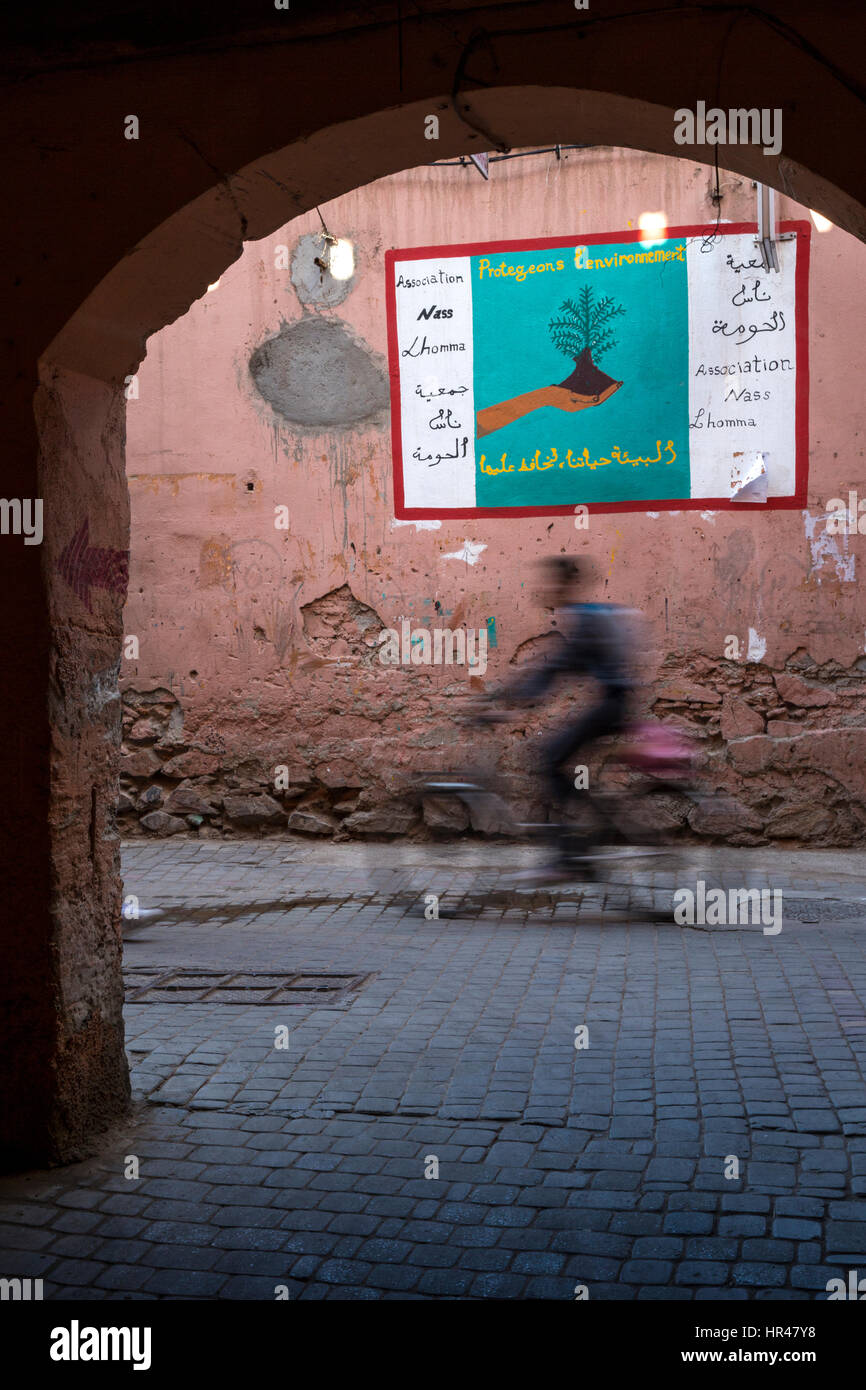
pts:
pixel 597 644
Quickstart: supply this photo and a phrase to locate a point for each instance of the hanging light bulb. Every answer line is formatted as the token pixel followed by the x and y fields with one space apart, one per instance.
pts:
pixel 822 224
pixel 338 256
pixel 214 286
pixel 341 259
pixel 653 227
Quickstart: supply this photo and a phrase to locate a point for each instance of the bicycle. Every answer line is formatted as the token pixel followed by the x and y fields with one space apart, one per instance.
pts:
pixel 632 829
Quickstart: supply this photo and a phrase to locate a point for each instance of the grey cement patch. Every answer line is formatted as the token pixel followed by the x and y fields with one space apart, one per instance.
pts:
pixel 313 285
pixel 314 373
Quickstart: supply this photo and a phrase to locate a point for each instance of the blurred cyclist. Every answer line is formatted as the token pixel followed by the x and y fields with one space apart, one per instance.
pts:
pixel 598 645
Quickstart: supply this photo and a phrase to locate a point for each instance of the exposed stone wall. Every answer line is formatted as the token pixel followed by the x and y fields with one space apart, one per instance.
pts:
pixel 783 748
pixel 786 746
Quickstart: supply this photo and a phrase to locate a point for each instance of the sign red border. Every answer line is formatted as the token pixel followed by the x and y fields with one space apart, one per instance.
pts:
pixel 802 230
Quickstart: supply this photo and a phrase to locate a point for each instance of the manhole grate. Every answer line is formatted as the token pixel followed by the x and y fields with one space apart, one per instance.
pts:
pixel 180 986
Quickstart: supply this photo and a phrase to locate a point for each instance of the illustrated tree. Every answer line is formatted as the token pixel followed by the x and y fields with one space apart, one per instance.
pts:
pixel 583 331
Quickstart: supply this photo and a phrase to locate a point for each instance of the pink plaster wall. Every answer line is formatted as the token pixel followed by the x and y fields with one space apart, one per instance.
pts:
pixel 217 594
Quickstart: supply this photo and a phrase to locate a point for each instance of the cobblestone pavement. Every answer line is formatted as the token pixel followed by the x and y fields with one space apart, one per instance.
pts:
pixel 308 1165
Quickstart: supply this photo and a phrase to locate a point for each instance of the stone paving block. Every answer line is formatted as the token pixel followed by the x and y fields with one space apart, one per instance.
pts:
pixel 427 1232
pixel 691 1201
pixel 269 1263
pixel 24 1238
pixel 346 1203
pixel 748 1202
pixel 547 1287
pixel 647 1272
pixel 178 1232
pixel 352 1223
pixel 485 1259
pixel 794 1228
pixel 121 1278
pixel 591 1243
pixel 528 1239
pixel 76 1246
pixel 657 1248
pixel 492 1285
pixel 185 1283
pixel 231 1194
pixel 507 1216
pixel 845 1235
pixel 254 1238
pixel 702 1272
pixel 848 1211
pixel 28 1214
pixel 688 1223
pixel 800 1206
pixel 398 1277
pixel 636 1222
pixel 814 1277
pixel 538 1262
pixel 79 1273
pixel 742 1224
pixel 757 1275
pixel 711 1248
pixel 179 1190
pixel 379 1251
pixel 348 1182
pixel 36 1264
pixel 250 1287
pixel 433 1256
pixel 346 1247
pixel 245 1216
pixel 180 1257
pixel 592 1268
pixel 342 1271
pixel 474 1237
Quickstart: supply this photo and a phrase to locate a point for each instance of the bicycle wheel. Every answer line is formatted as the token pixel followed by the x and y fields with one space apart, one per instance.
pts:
pixel 637 855
pixel 427 876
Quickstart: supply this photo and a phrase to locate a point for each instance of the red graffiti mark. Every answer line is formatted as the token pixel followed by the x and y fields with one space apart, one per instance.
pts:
pixel 86 566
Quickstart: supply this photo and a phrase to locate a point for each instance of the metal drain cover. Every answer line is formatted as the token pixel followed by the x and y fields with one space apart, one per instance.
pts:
pixel 324 990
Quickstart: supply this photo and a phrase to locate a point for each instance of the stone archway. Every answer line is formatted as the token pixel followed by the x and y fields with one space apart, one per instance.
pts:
pixel 93 290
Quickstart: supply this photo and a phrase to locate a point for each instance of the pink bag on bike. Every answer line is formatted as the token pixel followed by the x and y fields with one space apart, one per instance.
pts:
pixel 659 750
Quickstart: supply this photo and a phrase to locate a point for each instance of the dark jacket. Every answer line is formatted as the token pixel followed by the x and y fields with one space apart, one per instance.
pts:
pixel 596 644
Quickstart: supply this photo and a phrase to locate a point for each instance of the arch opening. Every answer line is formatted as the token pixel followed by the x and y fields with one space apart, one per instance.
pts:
pixel 80 1084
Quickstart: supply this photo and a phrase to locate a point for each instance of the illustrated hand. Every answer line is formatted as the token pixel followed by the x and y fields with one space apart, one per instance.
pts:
pixel 562 399
pixel 494 417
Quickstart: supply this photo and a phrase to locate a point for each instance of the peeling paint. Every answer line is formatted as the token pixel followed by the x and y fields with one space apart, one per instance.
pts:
pixel 103 689
pixel 470 552
pixel 419 525
pixel 825 547
pixel 757 646
pixel 155 481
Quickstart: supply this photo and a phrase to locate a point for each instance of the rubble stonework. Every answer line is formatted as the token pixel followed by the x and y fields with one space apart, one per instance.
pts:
pixel 785 749
pixel 785 744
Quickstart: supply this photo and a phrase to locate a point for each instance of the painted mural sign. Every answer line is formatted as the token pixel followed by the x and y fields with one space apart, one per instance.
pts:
pixel 609 371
